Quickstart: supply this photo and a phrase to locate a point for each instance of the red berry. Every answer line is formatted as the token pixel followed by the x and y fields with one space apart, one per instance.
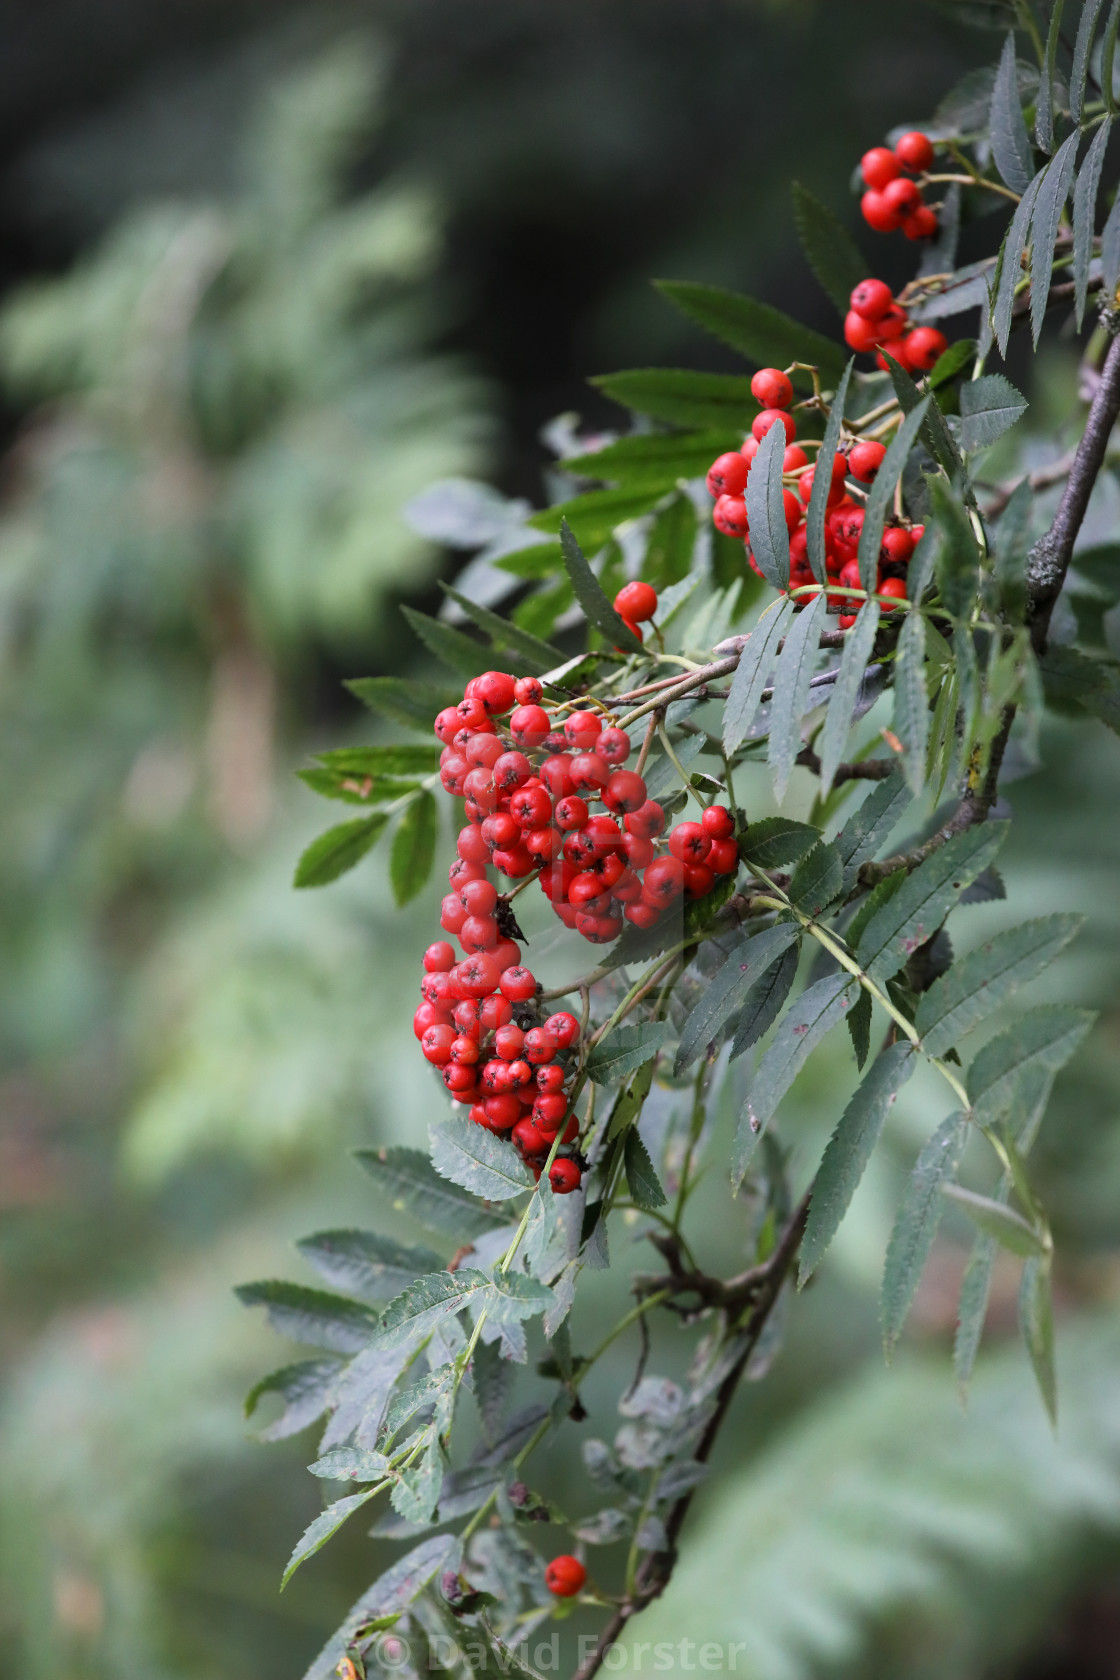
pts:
pixel 614 746
pixel 550 1077
pixel 564 1177
pixel 664 882
pixel 439 958
pixel 871 299
pixel 543 843
pixel 511 770
pixel 878 214
pixel 452 913
pixel 914 151
pixel 556 774
pixel 723 859
pixel 460 1081
pixel 570 813
pixel 540 1046
pixel 590 771
pixel 496 1010
pixel 846 620
pixel 897 546
pixel 518 984
pixel 528 1139
pixel 924 346
pixel 471 844
pixel 771 387
pixel 478 898
pixel 878 166
pixel 527 691
pixel 642 914
pixel 794 458
pixel 465 1050
pixel 529 726
pixel 508 1041
pixel 895 588
pixel 502 1111
pixel 499 829
pixel 587 893
pixel 474 715
pixel 515 861
pixel 550 1108
pixel 520 1074
pixel 730 516
pixel 860 335
pixel 599 929
pixel 893 324
pixel 717 822
pixel 477 975
pixel 625 791
pixel 698 880
pixel 564 1028
pixel 496 690
pixel 921 223
pixel 604 834
pixel 638 601
pixel 436 1044
pixel 762 423
pixel 635 630
pixel 446 724
pixel 565 1575
pixel 791 506
pixel 865 459
pixel 726 475
pixel 581 730
pixel 902 196
pixel 648 821
pixel 530 807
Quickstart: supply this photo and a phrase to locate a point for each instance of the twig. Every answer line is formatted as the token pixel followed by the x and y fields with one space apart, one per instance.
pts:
pixel 867 770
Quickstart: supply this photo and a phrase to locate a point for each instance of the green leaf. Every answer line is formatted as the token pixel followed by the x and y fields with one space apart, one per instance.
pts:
pixel 542 560
pixel 1072 680
pixel 1086 27
pixel 990 406
pixel 872 823
pixel 805 1023
pixel 753 670
pixel 881 893
pixel 338 850
pixel 947 366
pixel 763 1003
pixel 934 433
pixel 1036 1321
pixel 972 1308
pixel 451 647
pixel 354 790
pixel 471 1156
pixel 858 645
pixel 420 1307
pixel 366 1264
pixel 911 700
pixel 1052 195
pixel 881 495
pixel 849 1149
pixel 956 556
pixel 656 457
pixel 773 841
pixel 414 848
pixel 986 978
pixel 1044 105
pixel 593 517
pixel 726 991
pixel 630 1100
pixel 1010 267
pixel 624 1050
pixel 916 1224
pixel 817 512
pixel 320 1531
pixel 1011 549
pixel 1085 215
pixel 504 634
pixel 395 761
pixel 818 878
pixel 829 249
pixel 1110 250
pixel 925 898
pixel 412 1185
pixel 391 1593
pixel 794 672
pixel 683 396
pixel 401 699
pixel 769 533
pixel 311 1315
pixel 307 1389
pixel 641 1176
pixel 761 333
pixel 588 591
pixel 858 1021
pixel 1011 146
pixel 1008 1228
pixel 1010 1070
pixel 350 1464
pixel 416 1492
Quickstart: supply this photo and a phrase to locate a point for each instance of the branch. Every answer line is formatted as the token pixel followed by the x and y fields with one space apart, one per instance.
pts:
pixel 867 770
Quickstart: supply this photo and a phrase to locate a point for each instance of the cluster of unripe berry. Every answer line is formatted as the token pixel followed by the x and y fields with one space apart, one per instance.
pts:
pixel 727 482
pixel 528 785
pixel 877 321
pixel 893 199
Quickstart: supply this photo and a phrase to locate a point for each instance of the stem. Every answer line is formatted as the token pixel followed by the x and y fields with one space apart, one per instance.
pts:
pixel 976 181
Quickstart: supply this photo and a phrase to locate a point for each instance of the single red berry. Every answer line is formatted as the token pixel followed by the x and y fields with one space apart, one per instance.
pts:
pixel 565 1575
pixel 527 691
pixel 604 834
pixel 762 423
pixel 794 458
pixel 461 1081
pixel 749 449
pixel 860 335
pixel 921 223
pixel 871 299
pixel 635 630
pixel 465 1050
pixel 648 821
pixel 474 715
pixel 625 791
pixel 582 729
pixel 642 915
pixel 638 601
pixel 771 387
pixel 518 984
pixel 496 1010
pixel 530 807
pixel 924 346
pixel 515 861
pixel 511 770
pixel 540 1046
pixel 698 880
pixel 529 726
pixel 590 771
pixel 639 850
pixel 846 620
pixel 556 774
pixel 570 813
pixel 893 324
pixel 588 893
pixel 452 913
pixel 550 1108
pixel 895 589
pixel 564 1028
pixel 436 1044
pixel 439 958
pixel 914 151
pixel 543 843
pixel 878 214
pixel 520 1074
pixel 550 1077
pixel 446 724
pixel 508 1041
pixel 727 475
pixel 902 196
pixel 479 898
pixel 564 1177
pixel 528 1139
pixel 499 829
pixel 477 975
pixel 730 516
pixel 723 859
pixel 502 1111
pixel 614 746
pixel 865 459
pixel 496 690
pixel 717 822
pixel 791 506
pixel 664 881
pixel 428 1015
pixel 471 844
pixel 897 546
pixel 878 166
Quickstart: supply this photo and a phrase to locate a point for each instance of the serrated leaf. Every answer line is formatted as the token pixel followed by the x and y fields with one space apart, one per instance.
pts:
pixel 817 512
pixel 655 457
pixel 1052 195
pixel 972 1306
pixel 399 760
pixel 829 249
pixel 414 848
pixel 427 1302
pixel 758 331
pixel 593 517
pixel 1110 250
pixel 335 784
pixel 366 1264
pixel 911 701
pixel 956 555
pixel 1036 1321
pixel 763 1003
pixel 624 1050
pixel 451 647
pixel 819 1008
pixel 1008 1228
pixel 752 672
pixel 338 850
pixel 414 704
pixel 872 823
pixel 1011 549
pixel 925 898
pixel 858 1021
pixel 350 1464
pixel 916 1224
pixel 881 494
pixel 319 1532
pixel 682 396
pixel 729 986
pixel 881 893
pixel 641 1176
pixel 1011 146
pixel 391 1593
pixel 773 841
pixel 541 560
pixel 990 406
pixel 978 983
pixel 850 1148
pixel 1006 1073
pixel 413 1186
pixel 1085 215
pixel 769 533
pixel 416 1491
pixel 947 366
pixel 858 645
pixel 1082 47
pixel 630 1100
pixel 471 1156
pixel 934 433
pixel 1044 105
pixel 588 591
pixel 539 655
pixel 311 1315
pixel 792 677
pixel 1073 680
pixel 1010 266
pixel 307 1389
pixel 818 878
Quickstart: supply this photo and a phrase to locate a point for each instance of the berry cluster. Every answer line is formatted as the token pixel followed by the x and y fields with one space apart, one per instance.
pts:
pixel 727 482
pixel 893 200
pixel 877 321
pixel 528 783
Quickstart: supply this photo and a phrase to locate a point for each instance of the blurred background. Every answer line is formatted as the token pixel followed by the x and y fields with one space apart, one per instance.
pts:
pixel 268 270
